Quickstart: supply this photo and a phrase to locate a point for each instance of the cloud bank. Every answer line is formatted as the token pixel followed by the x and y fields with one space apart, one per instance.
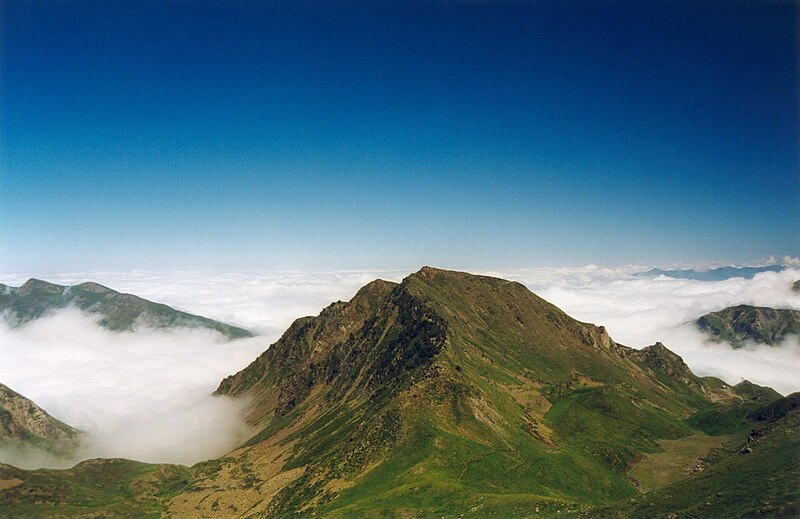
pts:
pixel 146 394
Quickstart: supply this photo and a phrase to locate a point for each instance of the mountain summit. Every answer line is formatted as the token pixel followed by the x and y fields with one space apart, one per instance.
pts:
pixel 447 388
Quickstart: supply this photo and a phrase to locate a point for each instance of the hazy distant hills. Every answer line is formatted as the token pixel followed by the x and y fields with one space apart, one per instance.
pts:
pixel 23 423
pixel 737 324
pixel 119 311
pixel 716 274
pixel 455 395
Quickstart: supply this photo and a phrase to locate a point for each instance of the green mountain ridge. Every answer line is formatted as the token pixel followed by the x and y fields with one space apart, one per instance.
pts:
pixel 119 311
pixel 737 324
pixel 455 395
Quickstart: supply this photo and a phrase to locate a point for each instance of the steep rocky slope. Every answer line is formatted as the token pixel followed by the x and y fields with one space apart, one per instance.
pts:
pixel 22 422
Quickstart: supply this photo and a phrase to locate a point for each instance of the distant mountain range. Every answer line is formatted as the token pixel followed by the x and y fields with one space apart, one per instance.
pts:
pixel 716 274
pixel 119 311
pixel 455 395
pixel 737 324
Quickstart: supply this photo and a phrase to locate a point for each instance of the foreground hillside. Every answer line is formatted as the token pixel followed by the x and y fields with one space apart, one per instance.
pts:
pixel 458 395
pixel 118 311
pixel 761 479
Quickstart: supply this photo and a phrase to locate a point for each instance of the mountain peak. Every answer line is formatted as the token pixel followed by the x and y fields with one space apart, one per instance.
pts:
pixel 373 292
pixel 450 371
pixel 37 286
pixel 428 271
pixel 662 359
pixel 750 391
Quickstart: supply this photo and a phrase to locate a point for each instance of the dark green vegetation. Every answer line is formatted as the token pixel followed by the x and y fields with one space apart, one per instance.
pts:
pixel 737 324
pixel 119 311
pixel 23 423
pixel 93 488
pixel 731 417
pixel 458 395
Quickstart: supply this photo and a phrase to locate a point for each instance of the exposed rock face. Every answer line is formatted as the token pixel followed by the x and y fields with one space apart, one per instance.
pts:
pixel 22 421
pixel 737 324
pixel 663 360
pixel 119 311
pixel 796 286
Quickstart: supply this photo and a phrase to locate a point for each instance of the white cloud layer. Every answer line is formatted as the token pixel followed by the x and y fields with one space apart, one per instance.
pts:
pixel 146 394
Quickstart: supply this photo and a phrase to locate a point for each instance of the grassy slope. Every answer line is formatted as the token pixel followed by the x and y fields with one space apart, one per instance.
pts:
pixel 94 488
pixel 482 437
pixel 659 469
pixel 763 483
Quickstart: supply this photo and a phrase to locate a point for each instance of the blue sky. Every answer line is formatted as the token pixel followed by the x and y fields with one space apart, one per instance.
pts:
pixel 232 135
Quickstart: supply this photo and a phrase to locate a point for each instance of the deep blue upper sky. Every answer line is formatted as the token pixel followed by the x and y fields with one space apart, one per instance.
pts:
pixel 189 134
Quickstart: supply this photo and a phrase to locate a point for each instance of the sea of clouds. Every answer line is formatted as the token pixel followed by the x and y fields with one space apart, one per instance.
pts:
pixel 638 311
pixel 146 394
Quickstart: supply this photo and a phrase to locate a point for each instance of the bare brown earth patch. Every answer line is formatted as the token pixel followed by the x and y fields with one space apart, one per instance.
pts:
pixel 5 484
pixel 658 469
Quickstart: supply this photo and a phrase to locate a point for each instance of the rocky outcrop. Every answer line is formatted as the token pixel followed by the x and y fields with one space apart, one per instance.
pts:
pixel 24 422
